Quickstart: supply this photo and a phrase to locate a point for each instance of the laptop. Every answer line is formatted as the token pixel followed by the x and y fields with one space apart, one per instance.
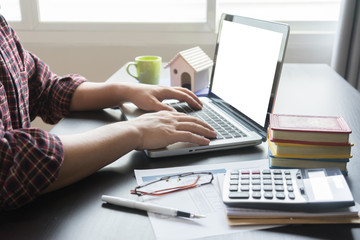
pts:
pixel 248 59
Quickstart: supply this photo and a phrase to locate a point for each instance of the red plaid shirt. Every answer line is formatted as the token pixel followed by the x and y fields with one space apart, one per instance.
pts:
pixel 30 158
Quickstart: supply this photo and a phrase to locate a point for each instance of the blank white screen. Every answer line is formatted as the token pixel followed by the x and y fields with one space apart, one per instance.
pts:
pixel 245 68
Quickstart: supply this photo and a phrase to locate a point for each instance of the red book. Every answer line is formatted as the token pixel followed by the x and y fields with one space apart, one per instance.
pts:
pixel 303 129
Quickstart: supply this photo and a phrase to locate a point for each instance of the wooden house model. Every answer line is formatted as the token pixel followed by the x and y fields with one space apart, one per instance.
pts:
pixel 190 69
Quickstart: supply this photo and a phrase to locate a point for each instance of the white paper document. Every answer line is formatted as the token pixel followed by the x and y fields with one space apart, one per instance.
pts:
pixel 205 200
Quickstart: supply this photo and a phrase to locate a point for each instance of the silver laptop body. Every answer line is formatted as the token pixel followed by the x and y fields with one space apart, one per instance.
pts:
pixel 248 60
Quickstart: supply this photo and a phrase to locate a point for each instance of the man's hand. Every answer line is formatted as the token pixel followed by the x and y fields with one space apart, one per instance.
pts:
pixel 157 130
pixel 150 97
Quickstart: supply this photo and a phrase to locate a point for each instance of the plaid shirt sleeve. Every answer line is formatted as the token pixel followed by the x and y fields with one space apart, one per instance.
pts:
pixel 50 95
pixel 30 158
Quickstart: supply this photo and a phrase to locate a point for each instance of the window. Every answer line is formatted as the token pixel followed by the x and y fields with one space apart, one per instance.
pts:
pixel 302 15
pixel 284 10
pixel 115 11
pixel 166 15
pixel 11 10
pixel 111 15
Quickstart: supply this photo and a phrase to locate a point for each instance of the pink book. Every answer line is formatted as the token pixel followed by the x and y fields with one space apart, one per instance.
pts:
pixel 330 130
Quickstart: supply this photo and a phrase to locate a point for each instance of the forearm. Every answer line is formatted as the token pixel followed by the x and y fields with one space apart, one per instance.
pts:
pixel 87 152
pixel 94 96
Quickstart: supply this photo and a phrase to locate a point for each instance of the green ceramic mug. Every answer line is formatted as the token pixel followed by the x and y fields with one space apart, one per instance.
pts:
pixel 147 68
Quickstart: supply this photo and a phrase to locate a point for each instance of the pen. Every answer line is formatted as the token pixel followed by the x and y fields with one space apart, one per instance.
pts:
pixel 150 207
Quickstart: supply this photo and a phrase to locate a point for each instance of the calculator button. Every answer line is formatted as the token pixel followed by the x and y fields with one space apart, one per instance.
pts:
pixel 255 177
pixel 233 188
pixel 268 195
pixel 277 172
pixel 234 177
pixel 256 195
pixel 256 182
pixel 290 189
pixel 267 182
pixel 287 177
pixel 278 182
pixel 291 195
pixel 280 195
pixel 277 177
pixel 289 182
pixel 234 182
pixel 279 188
pixel 287 172
pixel 245 177
pixel 240 195
pixel 245 188
pixel 268 188
pixel 266 171
pixel 256 188
pixel 245 172
pixel 245 182
pixel 255 172
pixel 266 177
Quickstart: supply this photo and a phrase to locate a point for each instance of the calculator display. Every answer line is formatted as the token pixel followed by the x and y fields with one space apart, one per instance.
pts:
pixel 319 184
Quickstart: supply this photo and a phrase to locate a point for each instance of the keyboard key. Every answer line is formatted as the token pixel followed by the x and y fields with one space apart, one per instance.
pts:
pixel 223 128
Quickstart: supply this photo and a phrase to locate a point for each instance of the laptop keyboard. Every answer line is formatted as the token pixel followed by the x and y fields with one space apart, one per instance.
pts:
pixel 223 128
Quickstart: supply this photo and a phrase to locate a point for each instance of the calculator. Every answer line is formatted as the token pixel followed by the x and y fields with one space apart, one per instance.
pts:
pixel 286 189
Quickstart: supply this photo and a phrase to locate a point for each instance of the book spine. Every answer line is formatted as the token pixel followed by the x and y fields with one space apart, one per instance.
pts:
pixel 271 138
pixel 317 156
pixel 270 155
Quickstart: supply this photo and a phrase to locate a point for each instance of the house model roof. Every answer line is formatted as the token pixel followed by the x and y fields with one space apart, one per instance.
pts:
pixel 195 57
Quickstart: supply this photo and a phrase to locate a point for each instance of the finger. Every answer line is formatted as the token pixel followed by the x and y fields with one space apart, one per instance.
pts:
pixel 187 91
pixel 186 118
pixel 184 95
pixel 185 136
pixel 197 129
pixel 156 106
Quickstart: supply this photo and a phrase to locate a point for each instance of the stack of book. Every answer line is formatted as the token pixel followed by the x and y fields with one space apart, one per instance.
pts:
pixel 308 142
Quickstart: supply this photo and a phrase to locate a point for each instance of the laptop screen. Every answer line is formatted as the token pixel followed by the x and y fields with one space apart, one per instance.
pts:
pixel 247 56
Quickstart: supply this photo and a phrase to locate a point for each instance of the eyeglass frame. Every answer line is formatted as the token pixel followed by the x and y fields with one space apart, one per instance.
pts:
pixel 176 189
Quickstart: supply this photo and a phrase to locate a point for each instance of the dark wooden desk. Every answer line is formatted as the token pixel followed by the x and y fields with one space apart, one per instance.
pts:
pixel 76 212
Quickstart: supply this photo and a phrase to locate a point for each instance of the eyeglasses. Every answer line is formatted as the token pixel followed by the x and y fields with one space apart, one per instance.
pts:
pixel 174 183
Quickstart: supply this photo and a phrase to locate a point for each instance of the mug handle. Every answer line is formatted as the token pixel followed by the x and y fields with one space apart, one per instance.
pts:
pixel 128 70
